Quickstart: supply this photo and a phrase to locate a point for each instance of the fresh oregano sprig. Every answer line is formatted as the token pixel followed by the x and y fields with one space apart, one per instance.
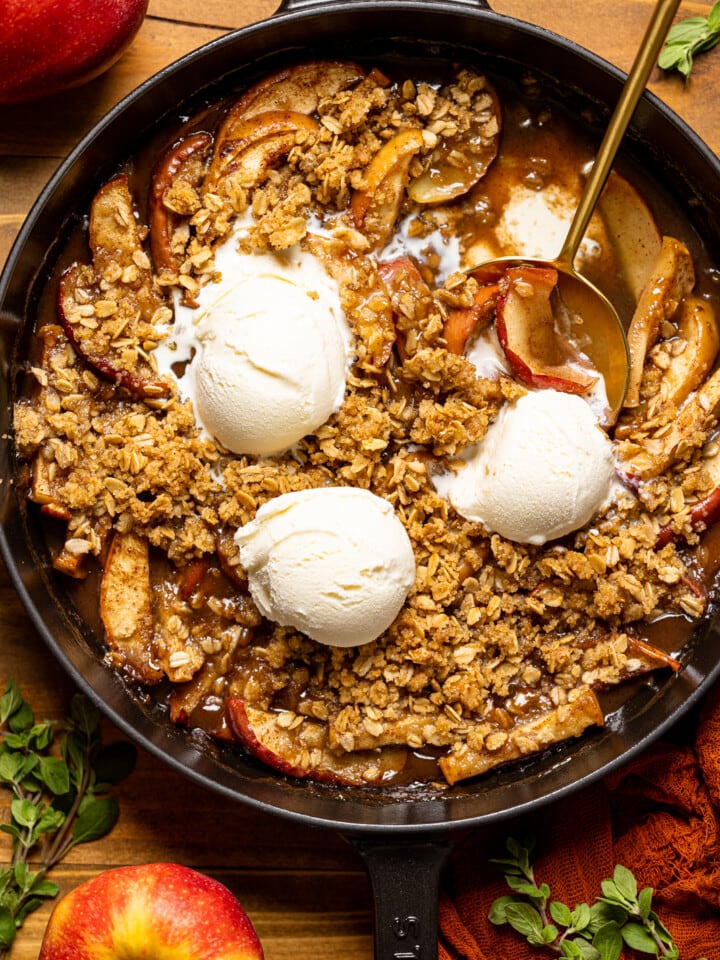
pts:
pixel 621 915
pixel 689 37
pixel 60 777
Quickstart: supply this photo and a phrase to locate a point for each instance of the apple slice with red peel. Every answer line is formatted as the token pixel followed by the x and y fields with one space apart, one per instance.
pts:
pixel 461 323
pixel 643 657
pixel 368 303
pixel 634 235
pixel 126 600
pixel 461 160
pixel 401 278
pixel 538 355
pixel 260 142
pixel 181 160
pixel 705 512
pixel 141 381
pixel 299 88
pixel 107 310
pixel 376 206
pixel 297 747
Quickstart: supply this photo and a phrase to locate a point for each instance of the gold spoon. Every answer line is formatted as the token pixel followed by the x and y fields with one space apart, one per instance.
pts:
pixel 596 321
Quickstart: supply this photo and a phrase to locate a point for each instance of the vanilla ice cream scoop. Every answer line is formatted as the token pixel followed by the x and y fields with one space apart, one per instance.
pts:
pixel 336 563
pixel 543 470
pixel 270 349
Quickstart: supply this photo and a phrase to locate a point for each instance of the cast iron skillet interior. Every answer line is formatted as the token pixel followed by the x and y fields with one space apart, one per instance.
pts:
pixel 418 31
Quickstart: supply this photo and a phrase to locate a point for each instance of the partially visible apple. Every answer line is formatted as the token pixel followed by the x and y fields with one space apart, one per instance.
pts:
pixel 152 910
pixel 50 45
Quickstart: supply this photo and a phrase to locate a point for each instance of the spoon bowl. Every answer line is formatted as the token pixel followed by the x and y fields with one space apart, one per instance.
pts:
pixel 595 328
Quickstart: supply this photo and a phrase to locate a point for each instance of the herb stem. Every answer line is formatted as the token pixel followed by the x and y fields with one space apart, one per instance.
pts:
pixel 62 840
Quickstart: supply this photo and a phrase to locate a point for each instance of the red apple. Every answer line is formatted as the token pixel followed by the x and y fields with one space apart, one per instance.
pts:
pixel 151 910
pixel 50 45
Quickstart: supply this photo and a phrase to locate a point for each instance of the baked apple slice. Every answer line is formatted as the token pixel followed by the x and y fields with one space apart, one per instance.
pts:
pixel 463 323
pixel 367 303
pixel 108 309
pixel 259 143
pixel 634 235
pixel 126 600
pixel 698 330
pixel 375 207
pixel 671 280
pixel 696 350
pixel 183 161
pixel 95 346
pixel 564 722
pixel 689 430
pixel 299 88
pixel 297 747
pixel 459 161
pixel 705 512
pixel 643 657
pixel 537 352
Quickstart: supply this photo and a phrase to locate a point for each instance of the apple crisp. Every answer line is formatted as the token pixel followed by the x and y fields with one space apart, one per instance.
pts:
pixel 501 647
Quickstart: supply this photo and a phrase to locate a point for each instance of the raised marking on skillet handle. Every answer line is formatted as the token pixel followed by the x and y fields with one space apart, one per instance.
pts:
pixel 407 927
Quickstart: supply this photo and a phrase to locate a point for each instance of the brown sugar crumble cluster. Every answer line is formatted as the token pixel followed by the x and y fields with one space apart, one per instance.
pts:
pixel 500 646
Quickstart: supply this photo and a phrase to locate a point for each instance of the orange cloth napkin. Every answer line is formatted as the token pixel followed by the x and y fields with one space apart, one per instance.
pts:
pixel 659 816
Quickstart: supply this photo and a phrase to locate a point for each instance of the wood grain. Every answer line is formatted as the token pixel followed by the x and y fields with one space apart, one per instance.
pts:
pixel 305 890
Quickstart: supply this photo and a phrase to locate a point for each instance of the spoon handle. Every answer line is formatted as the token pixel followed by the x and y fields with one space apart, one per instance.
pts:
pixel 632 90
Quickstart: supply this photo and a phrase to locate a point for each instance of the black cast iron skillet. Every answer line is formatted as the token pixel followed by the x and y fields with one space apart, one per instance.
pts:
pixel 404 836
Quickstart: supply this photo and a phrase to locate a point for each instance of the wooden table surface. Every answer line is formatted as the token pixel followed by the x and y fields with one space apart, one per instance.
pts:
pixel 305 890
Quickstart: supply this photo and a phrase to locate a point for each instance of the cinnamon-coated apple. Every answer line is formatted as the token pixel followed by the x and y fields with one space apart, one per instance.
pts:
pixel 50 45
pixel 151 910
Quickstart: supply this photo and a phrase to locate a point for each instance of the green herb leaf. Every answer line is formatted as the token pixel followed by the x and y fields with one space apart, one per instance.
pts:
pixel 22 719
pixel 96 817
pixel 561 913
pixel 7 928
pixel 84 715
pixel 10 702
pixel 580 917
pixel 24 812
pixel 525 919
pixel 115 762
pixel 44 888
pixel 586 950
pixel 497 910
pixel 625 882
pixel 689 37
pixel 645 902
pixel 54 774
pixel 638 938
pixel 571 949
pixel 608 941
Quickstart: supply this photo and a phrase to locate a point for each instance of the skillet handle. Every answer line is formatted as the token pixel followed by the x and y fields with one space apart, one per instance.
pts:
pixel 405 878
pixel 287 5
